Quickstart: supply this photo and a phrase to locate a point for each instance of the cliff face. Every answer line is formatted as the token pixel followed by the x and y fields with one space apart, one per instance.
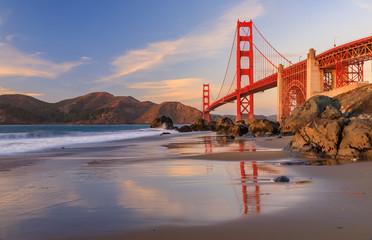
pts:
pixel 93 108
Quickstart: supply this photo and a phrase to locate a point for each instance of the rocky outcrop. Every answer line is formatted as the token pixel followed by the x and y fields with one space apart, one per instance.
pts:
pixel 185 128
pixel 357 103
pixel 339 127
pixel 319 137
pixel 223 124
pixel 328 138
pixel 238 130
pixel 316 107
pixel 262 126
pixel 162 122
pixel 200 125
pixel 356 140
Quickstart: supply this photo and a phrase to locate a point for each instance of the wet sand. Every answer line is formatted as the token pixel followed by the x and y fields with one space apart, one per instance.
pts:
pixel 162 181
pixel 338 206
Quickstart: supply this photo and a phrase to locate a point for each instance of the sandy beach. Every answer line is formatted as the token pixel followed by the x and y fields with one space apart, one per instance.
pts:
pixel 182 186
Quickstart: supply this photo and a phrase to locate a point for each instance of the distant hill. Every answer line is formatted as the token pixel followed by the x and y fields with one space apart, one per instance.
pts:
pixel 92 108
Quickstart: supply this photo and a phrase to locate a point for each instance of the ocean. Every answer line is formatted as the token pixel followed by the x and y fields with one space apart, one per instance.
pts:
pixel 26 138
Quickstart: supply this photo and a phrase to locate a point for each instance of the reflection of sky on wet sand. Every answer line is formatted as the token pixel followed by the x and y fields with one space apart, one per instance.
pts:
pixel 59 198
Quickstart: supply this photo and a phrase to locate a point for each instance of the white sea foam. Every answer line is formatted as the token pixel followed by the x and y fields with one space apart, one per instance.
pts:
pixel 38 140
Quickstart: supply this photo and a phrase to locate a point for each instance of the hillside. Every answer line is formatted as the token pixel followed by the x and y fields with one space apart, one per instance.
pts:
pixel 172 110
pixel 92 108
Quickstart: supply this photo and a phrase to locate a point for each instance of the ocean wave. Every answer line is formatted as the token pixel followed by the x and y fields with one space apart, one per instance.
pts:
pixel 18 142
pixel 37 134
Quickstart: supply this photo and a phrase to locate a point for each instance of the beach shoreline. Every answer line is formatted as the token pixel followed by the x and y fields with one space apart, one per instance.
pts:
pixel 324 202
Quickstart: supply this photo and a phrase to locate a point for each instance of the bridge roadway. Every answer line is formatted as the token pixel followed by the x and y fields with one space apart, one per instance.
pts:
pixel 360 50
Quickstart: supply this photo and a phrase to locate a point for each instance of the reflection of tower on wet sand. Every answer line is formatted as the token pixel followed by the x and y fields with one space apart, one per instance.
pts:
pixel 255 181
pixel 226 142
pixel 256 196
pixel 213 143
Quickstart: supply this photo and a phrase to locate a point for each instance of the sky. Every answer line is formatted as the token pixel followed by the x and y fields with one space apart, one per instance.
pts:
pixel 158 50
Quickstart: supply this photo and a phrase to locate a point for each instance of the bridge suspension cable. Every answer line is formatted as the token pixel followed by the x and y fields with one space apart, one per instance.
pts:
pixel 228 65
pixel 271 45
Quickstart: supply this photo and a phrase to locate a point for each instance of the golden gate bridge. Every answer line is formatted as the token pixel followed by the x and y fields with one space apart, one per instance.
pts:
pixel 259 67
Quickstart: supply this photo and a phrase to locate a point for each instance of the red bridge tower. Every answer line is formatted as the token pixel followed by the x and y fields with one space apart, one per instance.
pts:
pixel 244 103
pixel 206 100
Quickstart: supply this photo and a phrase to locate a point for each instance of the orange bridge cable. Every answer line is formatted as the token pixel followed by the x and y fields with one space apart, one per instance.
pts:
pixel 210 94
pixel 264 56
pixel 228 92
pixel 271 45
pixel 228 64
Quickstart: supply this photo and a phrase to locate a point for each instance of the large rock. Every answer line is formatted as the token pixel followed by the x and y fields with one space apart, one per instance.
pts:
pixel 334 138
pixel 200 125
pixel 316 107
pixel 262 126
pixel 319 137
pixel 162 122
pixel 238 130
pixel 185 128
pixel 357 102
pixel 224 124
pixel 356 140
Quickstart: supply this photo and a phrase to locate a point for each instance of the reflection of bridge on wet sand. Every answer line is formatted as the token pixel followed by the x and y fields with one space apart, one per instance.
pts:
pixel 223 141
pixel 252 174
pixel 252 180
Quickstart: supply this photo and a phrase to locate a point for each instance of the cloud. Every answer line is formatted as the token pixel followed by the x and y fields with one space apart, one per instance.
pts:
pixel 363 5
pixel 203 42
pixel 15 63
pixel 37 54
pixel 8 91
pixel 170 89
pixel 10 38
pixel 86 58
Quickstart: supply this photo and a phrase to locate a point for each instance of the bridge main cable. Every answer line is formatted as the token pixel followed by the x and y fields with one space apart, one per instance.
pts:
pixel 271 45
pixel 228 65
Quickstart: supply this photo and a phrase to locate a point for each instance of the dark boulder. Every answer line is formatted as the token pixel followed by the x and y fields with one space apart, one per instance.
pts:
pixel 185 128
pixel 200 125
pixel 319 137
pixel 357 102
pixel 356 140
pixel 224 124
pixel 263 126
pixel 238 130
pixel 212 125
pixel 282 179
pixel 319 106
pixel 162 122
